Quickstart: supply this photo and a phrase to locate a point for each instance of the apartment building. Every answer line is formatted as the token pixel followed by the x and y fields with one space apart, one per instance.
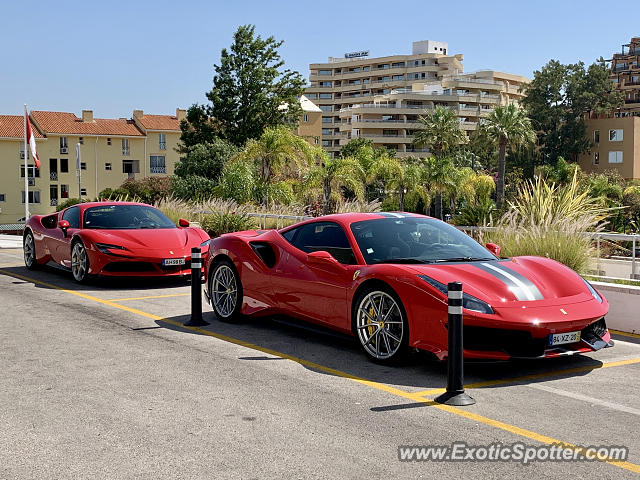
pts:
pixel 382 98
pixel 625 73
pixel 310 124
pixel 111 150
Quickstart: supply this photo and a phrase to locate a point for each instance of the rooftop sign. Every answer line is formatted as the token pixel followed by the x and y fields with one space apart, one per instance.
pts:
pixel 361 53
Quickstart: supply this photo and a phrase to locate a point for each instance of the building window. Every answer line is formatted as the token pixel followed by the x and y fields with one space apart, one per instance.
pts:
pixel 53 195
pixel 157 165
pixel 596 158
pixel 311 96
pixel 366 69
pixel 615 157
pixel 324 72
pixel 3 197
pixel 64 165
pixel 397 77
pixel 34 196
pixel 596 136
pixel 107 166
pixel 83 165
pixel 306 118
pixel 383 66
pixel 326 108
pixel 80 140
pixel 64 191
pixel 327 131
pixel 63 143
pixel 326 95
pixel 326 143
pixel 324 120
pixel 83 192
pixel 325 84
pixel 125 146
pixel 162 141
pixel 130 166
pixel 397 64
pixel 108 141
pixel 33 172
pixel 615 135
pixel 316 140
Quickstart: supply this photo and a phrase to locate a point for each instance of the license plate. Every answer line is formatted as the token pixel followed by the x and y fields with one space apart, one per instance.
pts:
pixel 560 338
pixel 172 261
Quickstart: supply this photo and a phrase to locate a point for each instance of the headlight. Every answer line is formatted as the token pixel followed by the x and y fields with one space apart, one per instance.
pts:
pixel 105 247
pixel 468 301
pixel 592 290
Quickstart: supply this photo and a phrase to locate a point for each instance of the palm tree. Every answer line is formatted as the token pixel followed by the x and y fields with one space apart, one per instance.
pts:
pixel 278 152
pixel 508 125
pixel 440 176
pixel 332 174
pixel 441 134
pixel 400 176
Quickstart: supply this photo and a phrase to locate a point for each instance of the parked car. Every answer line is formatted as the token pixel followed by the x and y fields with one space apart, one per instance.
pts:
pixel 383 277
pixel 111 239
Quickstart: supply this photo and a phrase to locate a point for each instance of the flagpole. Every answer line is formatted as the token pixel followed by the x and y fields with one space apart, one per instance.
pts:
pixel 26 169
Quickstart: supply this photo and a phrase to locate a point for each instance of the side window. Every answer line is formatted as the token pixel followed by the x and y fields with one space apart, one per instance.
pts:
pixel 72 215
pixel 327 236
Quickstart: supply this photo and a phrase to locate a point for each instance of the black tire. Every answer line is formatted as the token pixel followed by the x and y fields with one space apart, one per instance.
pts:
pixel 29 251
pixel 79 262
pixel 379 322
pixel 225 290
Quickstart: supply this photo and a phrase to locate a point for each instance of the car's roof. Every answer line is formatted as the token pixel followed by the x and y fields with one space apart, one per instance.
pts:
pixel 86 205
pixel 346 219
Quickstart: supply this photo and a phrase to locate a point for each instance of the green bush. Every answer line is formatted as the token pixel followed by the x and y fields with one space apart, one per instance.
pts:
pixel 218 223
pixel 68 203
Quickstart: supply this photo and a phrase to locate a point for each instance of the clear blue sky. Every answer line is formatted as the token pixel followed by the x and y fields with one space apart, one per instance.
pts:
pixel 113 57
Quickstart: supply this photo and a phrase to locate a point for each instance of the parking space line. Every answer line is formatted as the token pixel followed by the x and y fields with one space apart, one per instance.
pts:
pixel 624 334
pixel 378 386
pixel 585 398
pixel 535 376
pixel 149 296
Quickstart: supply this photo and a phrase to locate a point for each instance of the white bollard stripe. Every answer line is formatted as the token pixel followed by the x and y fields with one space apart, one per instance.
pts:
pixel 455 294
pixel 196 255
pixel 196 265
pixel 455 310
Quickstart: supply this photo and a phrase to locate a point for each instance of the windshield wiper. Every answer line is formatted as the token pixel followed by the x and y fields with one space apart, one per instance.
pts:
pixel 463 259
pixel 401 260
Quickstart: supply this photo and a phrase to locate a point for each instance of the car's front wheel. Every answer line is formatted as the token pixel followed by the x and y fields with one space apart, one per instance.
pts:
pixel 225 289
pixel 29 249
pixel 380 323
pixel 79 262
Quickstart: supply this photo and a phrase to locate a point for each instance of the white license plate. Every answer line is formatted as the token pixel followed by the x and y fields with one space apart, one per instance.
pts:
pixel 172 261
pixel 561 338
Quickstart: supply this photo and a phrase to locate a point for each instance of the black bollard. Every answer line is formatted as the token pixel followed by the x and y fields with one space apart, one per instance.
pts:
pixel 455 360
pixel 196 290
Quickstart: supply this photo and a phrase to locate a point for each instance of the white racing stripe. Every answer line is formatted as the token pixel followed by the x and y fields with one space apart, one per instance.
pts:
pixel 521 286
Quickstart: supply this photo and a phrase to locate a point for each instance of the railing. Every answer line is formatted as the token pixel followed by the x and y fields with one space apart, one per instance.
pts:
pixel 53 202
pixel 162 145
pixel 10 227
pixel 53 176
pixel 162 169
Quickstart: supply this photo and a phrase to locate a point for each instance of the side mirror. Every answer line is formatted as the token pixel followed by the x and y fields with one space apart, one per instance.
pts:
pixel 183 223
pixel 493 248
pixel 63 225
pixel 321 257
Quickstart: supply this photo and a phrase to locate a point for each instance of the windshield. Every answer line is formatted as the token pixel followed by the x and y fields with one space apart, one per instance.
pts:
pixel 415 240
pixel 125 217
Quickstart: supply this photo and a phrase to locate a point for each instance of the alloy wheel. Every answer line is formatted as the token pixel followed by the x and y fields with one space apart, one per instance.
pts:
pixel 224 291
pixel 380 325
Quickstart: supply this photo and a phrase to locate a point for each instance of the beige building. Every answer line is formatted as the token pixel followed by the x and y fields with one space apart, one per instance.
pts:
pixel 310 125
pixel 382 98
pixel 625 73
pixel 111 150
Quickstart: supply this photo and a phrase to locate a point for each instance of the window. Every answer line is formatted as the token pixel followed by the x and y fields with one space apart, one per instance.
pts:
pixel 316 140
pixel 108 141
pixel 324 72
pixel 326 108
pixel 306 118
pixel 83 165
pixel 63 142
pixel 615 157
pixel 162 141
pixel 365 80
pixel 64 165
pixel 53 195
pixel 326 143
pixel 64 191
pixel 397 77
pixel 366 69
pixel 130 166
pixel 33 171
pixel 3 197
pixel 596 158
pixel 34 196
pixel 325 95
pixel 156 164
pixel 311 96
pixel 80 140
pixel 107 166
pixel 125 146
pixel 83 192
pixel 327 131
pixel 383 66
pixel 615 135
pixel 72 215
pixel 322 236
pixel 325 84
pixel 327 120
pixel 397 64
pixel 596 136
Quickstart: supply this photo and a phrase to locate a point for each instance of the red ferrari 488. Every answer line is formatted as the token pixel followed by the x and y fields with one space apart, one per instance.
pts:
pixel 111 239
pixel 383 278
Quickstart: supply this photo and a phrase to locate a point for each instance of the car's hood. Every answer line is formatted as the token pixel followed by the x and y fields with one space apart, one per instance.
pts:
pixel 512 281
pixel 150 239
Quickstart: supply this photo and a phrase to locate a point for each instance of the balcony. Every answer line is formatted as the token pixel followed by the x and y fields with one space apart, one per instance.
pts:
pixel 160 169
pixel 162 145
pixel 53 176
pixel 53 202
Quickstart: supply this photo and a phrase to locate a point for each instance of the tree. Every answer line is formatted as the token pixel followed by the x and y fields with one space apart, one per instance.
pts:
pixel 332 174
pixel 507 126
pixel 440 177
pixel 205 159
pixel 278 154
pixel 441 134
pixel 198 128
pixel 557 100
pixel 250 92
pixel 406 178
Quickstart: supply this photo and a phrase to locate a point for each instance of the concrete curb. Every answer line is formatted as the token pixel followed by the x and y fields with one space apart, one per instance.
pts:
pixel 624 305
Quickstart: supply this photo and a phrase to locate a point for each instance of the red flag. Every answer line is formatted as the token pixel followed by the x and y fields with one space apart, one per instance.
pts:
pixel 32 143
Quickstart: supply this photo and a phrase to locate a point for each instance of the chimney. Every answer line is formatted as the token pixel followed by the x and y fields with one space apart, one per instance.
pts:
pixel 181 114
pixel 87 116
pixel 138 113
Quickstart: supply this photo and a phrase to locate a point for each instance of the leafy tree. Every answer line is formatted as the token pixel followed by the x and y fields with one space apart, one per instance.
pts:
pixel 406 178
pixel 238 181
pixel 557 100
pixel 198 127
pixel 507 126
pixel 334 173
pixel 440 177
pixel 205 159
pixel 250 88
pixel 192 187
pixel 147 189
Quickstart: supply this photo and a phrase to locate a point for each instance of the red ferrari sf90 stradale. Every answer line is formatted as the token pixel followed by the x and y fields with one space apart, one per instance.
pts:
pixel 111 239
pixel 383 278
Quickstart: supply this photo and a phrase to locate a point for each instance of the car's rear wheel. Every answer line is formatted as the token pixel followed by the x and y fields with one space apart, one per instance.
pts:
pixel 380 323
pixel 79 262
pixel 29 248
pixel 225 289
